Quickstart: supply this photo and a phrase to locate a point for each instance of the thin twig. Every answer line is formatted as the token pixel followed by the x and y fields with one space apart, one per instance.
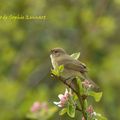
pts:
pixel 61 79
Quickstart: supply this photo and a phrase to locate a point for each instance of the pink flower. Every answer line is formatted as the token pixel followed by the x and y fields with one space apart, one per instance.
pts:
pixel 87 84
pixel 90 110
pixel 39 106
pixel 35 107
pixel 63 99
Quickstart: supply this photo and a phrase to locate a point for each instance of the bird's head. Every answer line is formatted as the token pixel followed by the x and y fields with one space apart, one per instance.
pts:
pixel 56 52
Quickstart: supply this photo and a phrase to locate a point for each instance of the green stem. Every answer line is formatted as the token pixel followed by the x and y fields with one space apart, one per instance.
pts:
pixel 81 101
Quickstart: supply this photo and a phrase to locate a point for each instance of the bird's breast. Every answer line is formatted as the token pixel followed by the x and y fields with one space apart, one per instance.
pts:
pixel 53 61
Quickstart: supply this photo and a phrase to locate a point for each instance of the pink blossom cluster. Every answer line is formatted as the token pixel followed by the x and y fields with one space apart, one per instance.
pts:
pixel 63 99
pixel 90 111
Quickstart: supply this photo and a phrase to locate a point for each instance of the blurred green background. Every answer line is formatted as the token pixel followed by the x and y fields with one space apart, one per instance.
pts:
pixel 89 26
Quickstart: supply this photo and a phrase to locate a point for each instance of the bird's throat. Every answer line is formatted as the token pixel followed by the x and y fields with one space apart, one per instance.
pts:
pixel 53 61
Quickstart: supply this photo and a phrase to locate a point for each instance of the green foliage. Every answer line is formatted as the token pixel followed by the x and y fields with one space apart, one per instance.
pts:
pixel 86 103
pixel 63 111
pixel 71 110
pixel 58 71
pixel 100 117
pixel 79 82
pixel 97 95
pixel 69 101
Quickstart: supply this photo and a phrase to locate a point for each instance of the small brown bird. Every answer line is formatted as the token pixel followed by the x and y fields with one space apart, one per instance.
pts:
pixel 72 67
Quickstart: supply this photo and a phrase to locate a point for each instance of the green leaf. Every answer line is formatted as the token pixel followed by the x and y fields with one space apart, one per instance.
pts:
pixel 85 103
pixel 81 89
pixel 58 70
pixel 97 95
pixel 75 55
pixel 63 111
pixel 71 110
pixel 79 81
pixel 100 117
pixel 75 97
pixel 61 68
pixel 55 72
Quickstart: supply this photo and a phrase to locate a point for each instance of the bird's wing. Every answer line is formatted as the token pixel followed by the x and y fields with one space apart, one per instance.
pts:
pixel 73 64
pixel 77 66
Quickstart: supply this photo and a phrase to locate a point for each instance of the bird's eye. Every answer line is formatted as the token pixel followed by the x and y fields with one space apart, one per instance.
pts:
pixel 56 51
